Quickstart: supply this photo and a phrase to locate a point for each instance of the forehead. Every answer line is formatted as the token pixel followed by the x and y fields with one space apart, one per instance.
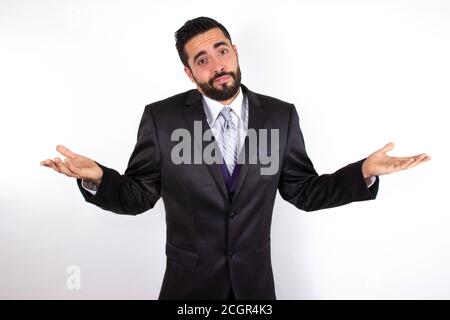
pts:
pixel 205 41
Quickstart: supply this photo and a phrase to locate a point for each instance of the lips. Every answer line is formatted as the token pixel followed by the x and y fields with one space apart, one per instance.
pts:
pixel 223 79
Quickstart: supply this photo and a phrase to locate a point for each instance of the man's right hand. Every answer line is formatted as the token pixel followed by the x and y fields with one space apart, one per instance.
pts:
pixel 75 166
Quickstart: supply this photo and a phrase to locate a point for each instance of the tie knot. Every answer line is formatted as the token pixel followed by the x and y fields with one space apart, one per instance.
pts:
pixel 226 113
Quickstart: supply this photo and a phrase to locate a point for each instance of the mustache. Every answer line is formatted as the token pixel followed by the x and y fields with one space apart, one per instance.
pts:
pixel 220 75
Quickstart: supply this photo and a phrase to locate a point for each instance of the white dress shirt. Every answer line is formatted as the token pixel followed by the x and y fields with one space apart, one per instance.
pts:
pixel 239 113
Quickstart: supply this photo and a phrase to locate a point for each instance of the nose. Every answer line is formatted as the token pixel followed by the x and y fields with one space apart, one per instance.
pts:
pixel 217 66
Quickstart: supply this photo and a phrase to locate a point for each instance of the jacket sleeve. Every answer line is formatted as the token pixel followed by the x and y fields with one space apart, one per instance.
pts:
pixel 139 188
pixel 301 185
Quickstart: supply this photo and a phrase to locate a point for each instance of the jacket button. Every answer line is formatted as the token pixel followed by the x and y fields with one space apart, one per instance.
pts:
pixel 230 253
pixel 232 214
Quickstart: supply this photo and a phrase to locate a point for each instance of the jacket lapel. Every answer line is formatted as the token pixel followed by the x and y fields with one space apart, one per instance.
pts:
pixel 256 118
pixel 194 112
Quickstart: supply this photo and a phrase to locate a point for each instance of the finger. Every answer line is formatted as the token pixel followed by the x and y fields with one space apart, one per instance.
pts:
pixel 63 168
pixel 407 159
pixel 50 164
pixel 44 163
pixel 65 152
pixel 425 159
pixel 421 156
pixel 417 160
pixel 388 147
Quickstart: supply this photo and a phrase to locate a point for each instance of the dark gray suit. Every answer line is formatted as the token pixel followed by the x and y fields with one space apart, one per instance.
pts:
pixel 214 241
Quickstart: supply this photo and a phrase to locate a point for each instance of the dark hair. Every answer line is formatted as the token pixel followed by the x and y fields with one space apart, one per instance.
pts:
pixel 194 27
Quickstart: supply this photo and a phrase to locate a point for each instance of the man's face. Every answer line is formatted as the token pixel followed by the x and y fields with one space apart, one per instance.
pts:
pixel 213 65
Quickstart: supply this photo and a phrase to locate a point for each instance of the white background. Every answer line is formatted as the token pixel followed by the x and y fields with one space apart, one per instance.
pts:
pixel 361 74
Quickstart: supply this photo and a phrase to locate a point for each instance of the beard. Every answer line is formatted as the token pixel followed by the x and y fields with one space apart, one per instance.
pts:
pixel 226 91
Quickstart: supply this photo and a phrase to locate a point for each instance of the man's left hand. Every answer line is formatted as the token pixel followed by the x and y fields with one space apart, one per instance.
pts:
pixel 379 163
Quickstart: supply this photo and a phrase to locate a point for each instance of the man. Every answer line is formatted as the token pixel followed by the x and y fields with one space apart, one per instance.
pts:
pixel 219 213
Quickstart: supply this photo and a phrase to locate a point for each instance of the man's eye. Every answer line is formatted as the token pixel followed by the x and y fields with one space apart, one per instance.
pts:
pixel 224 51
pixel 201 61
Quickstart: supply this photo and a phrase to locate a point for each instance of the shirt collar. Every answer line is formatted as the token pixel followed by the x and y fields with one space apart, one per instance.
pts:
pixel 213 107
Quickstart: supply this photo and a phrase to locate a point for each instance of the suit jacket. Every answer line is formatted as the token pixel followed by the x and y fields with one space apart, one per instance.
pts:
pixel 214 241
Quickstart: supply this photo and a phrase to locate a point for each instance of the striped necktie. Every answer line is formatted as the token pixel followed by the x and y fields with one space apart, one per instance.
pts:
pixel 229 139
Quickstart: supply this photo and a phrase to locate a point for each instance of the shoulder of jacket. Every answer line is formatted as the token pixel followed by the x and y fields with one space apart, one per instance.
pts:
pixel 270 102
pixel 170 102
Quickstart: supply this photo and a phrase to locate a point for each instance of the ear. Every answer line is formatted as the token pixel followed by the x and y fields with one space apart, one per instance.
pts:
pixel 235 50
pixel 189 73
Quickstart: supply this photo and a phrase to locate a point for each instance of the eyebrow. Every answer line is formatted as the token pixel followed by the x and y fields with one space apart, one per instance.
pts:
pixel 216 45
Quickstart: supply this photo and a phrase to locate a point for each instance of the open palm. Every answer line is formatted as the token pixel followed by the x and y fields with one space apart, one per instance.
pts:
pixel 379 163
pixel 75 165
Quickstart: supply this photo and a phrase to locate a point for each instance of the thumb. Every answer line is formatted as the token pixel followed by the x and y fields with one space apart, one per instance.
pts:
pixel 388 147
pixel 65 151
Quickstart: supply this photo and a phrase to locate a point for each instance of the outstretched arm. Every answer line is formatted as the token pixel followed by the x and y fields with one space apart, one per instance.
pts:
pixel 134 192
pixel 302 186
